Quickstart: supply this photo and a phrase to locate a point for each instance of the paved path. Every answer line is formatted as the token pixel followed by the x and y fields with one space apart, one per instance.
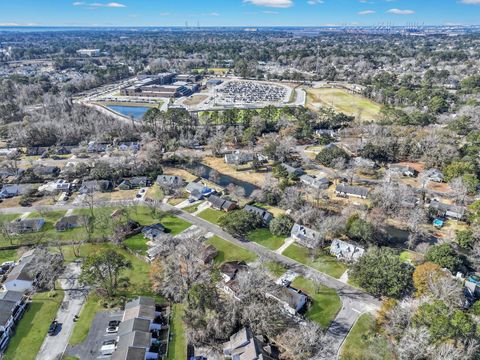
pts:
pixel 53 347
pixel 288 241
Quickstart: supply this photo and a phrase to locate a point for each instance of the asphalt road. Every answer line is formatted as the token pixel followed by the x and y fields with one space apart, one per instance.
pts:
pixel 53 347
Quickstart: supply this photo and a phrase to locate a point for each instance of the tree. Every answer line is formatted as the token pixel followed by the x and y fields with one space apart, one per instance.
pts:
pixel 465 238
pixel 102 270
pixel 46 267
pixel 423 275
pixel 445 256
pixel 281 225
pixel 359 229
pixel 330 154
pixel 240 222
pixel 381 272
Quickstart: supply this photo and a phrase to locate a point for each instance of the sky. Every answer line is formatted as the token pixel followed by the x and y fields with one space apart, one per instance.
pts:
pixel 237 12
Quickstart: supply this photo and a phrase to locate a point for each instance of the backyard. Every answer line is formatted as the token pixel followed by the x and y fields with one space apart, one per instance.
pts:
pixel 177 348
pixel 33 326
pixel 230 252
pixel 321 261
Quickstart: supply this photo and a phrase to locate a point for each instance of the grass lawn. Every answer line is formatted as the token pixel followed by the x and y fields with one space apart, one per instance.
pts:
pixel 33 327
pixel 137 243
pixel 155 193
pixel 362 341
pixel 82 326
pixel 8 217
pixel 343 101
pixel 264 237
pixel 211 215
pixel 275 268
pixel 192 208
pixel 50 217
pixel 174 224
pixel 323 262
pixel 177 348
pixel 326 302
pixel 8 255
pixel 230 252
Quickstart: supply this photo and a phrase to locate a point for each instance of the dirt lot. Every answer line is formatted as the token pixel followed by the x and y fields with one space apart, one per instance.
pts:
pixel 246 175
pixel 179 172
pixel 195 100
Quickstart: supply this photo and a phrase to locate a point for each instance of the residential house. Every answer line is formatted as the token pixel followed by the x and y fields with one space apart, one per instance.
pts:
pixel 218 203
pixel 208 254
pixel 25 225
pixel 239 158
pixel 12 307
pixel 94 147
pixel 20 278
pixel 403 170
pixel 62 150
pixel 134 183
pixel 326 133
pixel 346 251
pixel 264 214
pixel 243 345
pixel 291 299
pixel 144 331
pixel 447 210
pixel 293 171
pixel 434 175
pixel 36 151
pixel 59 185
pixel 320 184
pixel 153 232
pixel 70 222
pixel 171 181
pixel 9 191
pixel 198 191
pixel 89 187
pixel 305 236
pixel 42 170
pixel 229 271
pixel 364 163
pixel 354 191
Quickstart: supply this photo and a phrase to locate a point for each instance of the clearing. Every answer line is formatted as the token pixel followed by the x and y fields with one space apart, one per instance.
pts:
pixel 264 237
pixel 230 252
pixel 195 100
pixel 343 101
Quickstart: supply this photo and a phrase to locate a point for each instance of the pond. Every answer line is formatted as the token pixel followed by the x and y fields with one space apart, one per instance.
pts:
pixel 223 180
pixel 136 111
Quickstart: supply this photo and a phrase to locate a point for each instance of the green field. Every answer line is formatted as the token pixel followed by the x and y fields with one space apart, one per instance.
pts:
pixel 33 327
pixel 211 215
pixel 87 314
pixel 326 303
pixel 264 237
pixel 177 348
pixel 322 262
pixel 230 252
pixel 342 100
pixel 362 341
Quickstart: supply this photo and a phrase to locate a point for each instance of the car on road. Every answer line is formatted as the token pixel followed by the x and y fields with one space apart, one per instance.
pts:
pixel 112 330
pixel 108 347
pixel 52 330
pixel 114 323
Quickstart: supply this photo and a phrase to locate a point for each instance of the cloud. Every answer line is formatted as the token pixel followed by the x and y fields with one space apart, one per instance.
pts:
pixel 401 12
pixel 366 12
pixel 471 2
pixel 270 12
pixel 98 5
pixel 271 3
pixel 315 2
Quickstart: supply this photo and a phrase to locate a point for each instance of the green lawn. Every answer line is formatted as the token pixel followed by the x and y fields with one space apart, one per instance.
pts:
pixel 275 268
pixel 362 341
pixel 264 237
pixel 33 327
pixel 322 262
pixel 230 252
pixel 8 217
pixel 177 348
pixel 192 208
pixel 211 215
pixel 174 224
pixel 8 255
pixel 326 303
pixel 137 243
pixel 51 216
pixel 82 326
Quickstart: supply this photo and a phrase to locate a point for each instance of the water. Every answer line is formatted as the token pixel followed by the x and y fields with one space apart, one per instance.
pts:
pixel 136 111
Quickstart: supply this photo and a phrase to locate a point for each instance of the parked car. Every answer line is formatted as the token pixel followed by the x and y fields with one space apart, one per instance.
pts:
pixel 8 263
pixel 52 330
pixel 114 323
pixel 108 347
pixel 112 329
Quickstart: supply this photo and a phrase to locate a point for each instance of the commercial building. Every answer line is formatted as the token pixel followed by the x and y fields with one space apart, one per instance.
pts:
pixel 89 52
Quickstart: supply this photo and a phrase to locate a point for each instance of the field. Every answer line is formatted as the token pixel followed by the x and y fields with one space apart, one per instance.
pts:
pixel 195 100
pixel 33 327
pixel 326 302
pixel 322 262
pixel 177 348
pixel 362 341
pixel 343 101
pixel 230 252
pixel 255 178
pixel 264 237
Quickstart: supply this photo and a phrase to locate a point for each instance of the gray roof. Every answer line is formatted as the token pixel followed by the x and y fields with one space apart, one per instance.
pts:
pixel 135 324
pixel 352 190
pixel 315 182
pixel 172 180
pixel 304 233
pixel 345 250
pixel 264 214
pixel 6 309
pixel 132 346
pixel 10 295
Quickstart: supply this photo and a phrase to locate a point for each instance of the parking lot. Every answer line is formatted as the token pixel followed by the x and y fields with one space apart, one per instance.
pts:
pixel 251 92
pixel 90 348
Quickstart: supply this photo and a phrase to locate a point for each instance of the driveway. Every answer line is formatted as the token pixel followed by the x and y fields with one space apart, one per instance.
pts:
pixel 90 348
pixel 54 346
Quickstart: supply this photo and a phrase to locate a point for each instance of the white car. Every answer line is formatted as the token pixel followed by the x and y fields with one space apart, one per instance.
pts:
pixel 112 330
pixel 108 347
